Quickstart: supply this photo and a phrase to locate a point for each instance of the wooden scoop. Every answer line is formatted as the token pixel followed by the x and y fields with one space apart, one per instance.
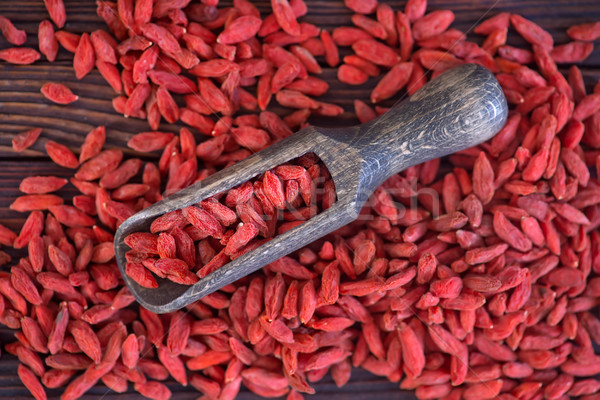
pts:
pixel 459 109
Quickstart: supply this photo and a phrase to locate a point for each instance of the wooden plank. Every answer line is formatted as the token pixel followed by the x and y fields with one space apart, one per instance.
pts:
pixel 364 386
pixel 11 174
pixel 22 107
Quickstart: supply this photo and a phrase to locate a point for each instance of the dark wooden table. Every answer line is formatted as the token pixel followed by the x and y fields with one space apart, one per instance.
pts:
pixel 22 107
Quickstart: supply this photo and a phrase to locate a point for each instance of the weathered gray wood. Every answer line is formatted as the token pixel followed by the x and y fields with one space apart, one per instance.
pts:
pixel 460 109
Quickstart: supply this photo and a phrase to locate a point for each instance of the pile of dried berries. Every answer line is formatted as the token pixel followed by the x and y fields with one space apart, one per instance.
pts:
pixel 475 283
pixel 185 241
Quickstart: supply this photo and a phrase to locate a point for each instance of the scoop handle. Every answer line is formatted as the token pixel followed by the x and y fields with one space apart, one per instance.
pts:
pixel 461 108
